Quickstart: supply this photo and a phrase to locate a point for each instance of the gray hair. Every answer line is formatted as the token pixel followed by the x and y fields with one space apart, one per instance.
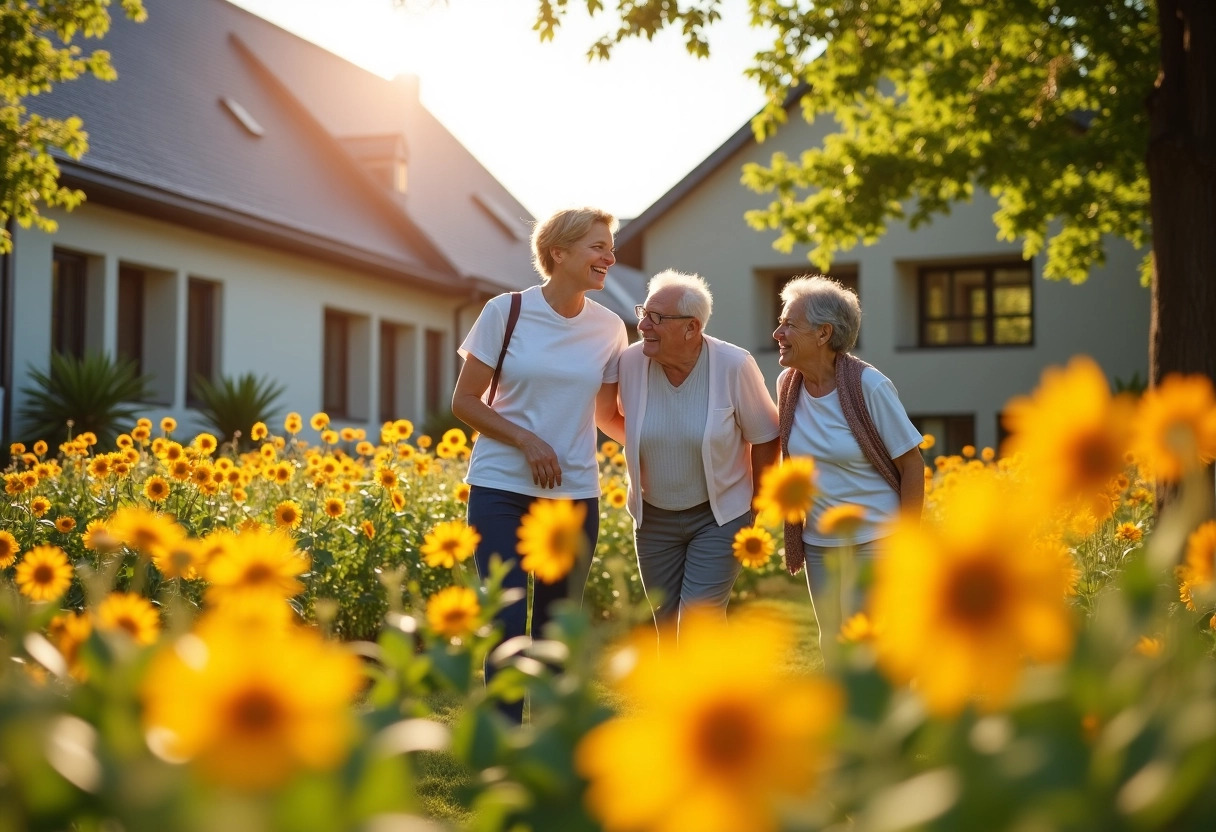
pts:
pixel 826 301
pixel 695 299
pixel 563 230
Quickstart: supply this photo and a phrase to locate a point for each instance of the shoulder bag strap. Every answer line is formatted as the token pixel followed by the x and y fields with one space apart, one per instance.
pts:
pixel 506 339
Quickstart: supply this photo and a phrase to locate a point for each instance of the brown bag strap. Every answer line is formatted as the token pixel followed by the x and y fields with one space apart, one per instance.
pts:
pixel 512 317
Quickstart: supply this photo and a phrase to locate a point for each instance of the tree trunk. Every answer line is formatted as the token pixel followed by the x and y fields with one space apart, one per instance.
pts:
pixel 1182 182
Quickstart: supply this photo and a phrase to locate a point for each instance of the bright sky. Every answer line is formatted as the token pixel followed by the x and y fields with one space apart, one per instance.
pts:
pixel 554 129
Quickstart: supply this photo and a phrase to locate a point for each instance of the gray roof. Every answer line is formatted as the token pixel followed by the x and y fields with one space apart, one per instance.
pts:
pixel 221 119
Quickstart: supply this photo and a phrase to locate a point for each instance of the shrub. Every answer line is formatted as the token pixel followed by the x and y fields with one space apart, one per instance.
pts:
pixel 95 394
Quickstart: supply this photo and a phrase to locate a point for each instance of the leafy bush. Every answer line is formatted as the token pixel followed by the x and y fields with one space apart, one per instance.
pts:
pixel 95 394
pixel 230 405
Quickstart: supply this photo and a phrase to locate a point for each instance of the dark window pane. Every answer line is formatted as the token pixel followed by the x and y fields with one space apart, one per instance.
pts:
pixel 976 305
pixel 202 317
pixel 388 372
pixel 336 350
pixel 434 371
pixel 131 315
pixel 68 302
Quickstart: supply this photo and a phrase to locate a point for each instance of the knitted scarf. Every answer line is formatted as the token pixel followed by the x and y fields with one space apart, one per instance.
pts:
pixel 853 404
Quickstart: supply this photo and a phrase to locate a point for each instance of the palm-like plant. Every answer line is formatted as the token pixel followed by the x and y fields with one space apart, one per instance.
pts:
pixel 95 393
pixel 230 405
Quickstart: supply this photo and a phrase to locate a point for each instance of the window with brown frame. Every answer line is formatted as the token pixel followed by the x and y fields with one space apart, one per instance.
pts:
pixel 68 302
pixel 336 371
pixel 950 432
pixel 989 304
pixel 131 300
pixel 202 335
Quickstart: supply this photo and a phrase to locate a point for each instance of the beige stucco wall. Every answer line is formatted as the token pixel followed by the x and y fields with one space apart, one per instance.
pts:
pixel 1106 318
pixel 271 312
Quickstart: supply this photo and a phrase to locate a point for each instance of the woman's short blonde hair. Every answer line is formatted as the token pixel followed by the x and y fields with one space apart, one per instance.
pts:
pixel 562 230
pixel 695 297
pixel 827 301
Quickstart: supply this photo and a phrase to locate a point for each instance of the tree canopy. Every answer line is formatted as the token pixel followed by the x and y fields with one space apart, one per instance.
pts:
pixel 38 49
pixel 1040 102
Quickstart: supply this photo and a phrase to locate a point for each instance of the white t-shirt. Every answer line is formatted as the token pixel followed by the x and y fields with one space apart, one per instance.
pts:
pixel 843 474
pixel 552 371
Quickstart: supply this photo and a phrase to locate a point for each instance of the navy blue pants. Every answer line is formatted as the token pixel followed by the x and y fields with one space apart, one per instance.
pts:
pixel 496 515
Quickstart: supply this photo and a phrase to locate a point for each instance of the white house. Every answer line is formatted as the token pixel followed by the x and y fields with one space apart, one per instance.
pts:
pixel 955 317
pixel 258 204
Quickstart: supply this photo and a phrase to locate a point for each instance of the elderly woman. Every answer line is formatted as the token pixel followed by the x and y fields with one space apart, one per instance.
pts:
pixel 847 416
pixel 537 425
pixel 700 426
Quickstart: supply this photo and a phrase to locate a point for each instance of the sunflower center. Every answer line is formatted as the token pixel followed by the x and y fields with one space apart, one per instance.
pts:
pixel 256 711
pixel 1097 458
pixel 129 624
pixel 753 545
pixel 43 573
pixel 795 493
pixel 976 593
pixel 259 573
pixel 455 617
pixel 726 737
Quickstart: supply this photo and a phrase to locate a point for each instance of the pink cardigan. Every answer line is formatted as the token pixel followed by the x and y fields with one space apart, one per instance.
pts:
pixel 741 414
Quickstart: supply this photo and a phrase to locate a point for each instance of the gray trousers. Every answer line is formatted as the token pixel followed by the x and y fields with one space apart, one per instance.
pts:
pixel 834 576
pixel 685 558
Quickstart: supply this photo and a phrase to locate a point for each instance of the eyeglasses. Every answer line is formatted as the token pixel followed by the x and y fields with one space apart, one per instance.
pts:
pixel 655 317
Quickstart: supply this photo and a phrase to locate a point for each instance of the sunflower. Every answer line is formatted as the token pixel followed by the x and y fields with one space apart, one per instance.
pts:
pixel 251 707
pixel 974 597
pixel 39 506
pixel 205 443
pixel 288 514
pixel 617 497
pixel 718 737
pixel 141 434
pixel 97 537
pixel 387 477
pixel 182 558
pixel 462 492
pixel 453 612
pixel 258 432
pixel 1177 426
pixel 239 495
pixel 365 448
pixel 551 538
pixel 368 528
pixel 405 452
pixel 168 424
pixel 927 441
pixel 445 450
pixel 334 507
pixel 180 469
pixel 257 560
pixel 156 489
pixel 129 613
pixel 841 521
pixel 455 437
pixel 449 543
pixel 44 574
pixel 753 546
pixel 147 532
pixel 68 631
pixel 8 549
pixel 65 523
pixel 329 437
pixel 610 448
pixel 786 491
pixel 1128 533
pixel 293 423
pixel 1198 568
pixel 319 421
pixel 403 429
pixel 858 628
pixel 1073 434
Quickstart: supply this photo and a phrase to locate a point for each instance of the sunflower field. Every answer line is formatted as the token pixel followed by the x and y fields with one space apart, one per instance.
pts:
pixel 286 633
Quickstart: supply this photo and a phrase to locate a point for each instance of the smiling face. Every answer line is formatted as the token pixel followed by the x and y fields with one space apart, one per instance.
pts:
pixel 798 342
pixel 669 341
pixel 585 262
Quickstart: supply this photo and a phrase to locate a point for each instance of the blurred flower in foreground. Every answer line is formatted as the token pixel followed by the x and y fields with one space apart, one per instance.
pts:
pixel 250 707
pixel 1073 434
pixel 1199 566
pixel 129 613
pixel 449 543
pixel 842 520
pixel 753 546
pixel 1177 426
pixel 9 549
pixel 256 560
pixel 44 574
pixel 453 611
pixel 857 629
pixel 717 735
pixel 551 538
pixel 786 491
pixel 974 597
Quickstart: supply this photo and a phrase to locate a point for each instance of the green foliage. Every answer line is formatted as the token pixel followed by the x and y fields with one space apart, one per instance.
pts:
pixel 37 52
pixel 232 405
pixel 95 393
pixel 1041 103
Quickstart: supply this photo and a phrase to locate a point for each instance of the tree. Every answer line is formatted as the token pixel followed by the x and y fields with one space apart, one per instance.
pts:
pixel 36 52
pixel 1083 118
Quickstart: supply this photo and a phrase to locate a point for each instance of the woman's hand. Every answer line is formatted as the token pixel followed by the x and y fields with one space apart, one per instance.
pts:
pixel 546 469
